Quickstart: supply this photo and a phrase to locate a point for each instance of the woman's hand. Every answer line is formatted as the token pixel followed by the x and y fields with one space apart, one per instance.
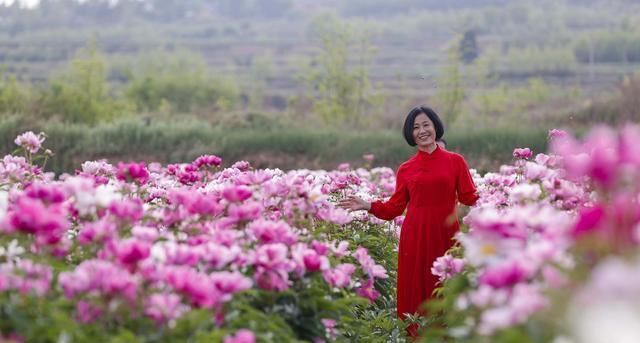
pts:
pixel 353 203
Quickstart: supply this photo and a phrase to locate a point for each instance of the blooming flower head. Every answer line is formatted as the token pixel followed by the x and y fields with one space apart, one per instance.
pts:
pixel 447 266
pixel 207 161
pixel 555 133
pixel 30 141
pixel 523 153
pixel 133 172
pixel 242 336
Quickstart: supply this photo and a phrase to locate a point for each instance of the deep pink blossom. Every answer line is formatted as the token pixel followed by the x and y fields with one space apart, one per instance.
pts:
pixel 523 153
pixel 207 161
pixel 503 275
pixel 236 193
pixel 32 216
pixel 133 172
pixel 131 251
pixel 266 231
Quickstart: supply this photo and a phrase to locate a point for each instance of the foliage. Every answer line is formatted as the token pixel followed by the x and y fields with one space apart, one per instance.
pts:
pixel 81 94
pixel 181 81
pixel 345 96
pixel 14 96
pixel 609 47
pixel 468 47
pixel 451 90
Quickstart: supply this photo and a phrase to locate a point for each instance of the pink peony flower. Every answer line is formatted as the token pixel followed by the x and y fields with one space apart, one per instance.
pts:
pixel 133 172
pixel 207 161
pixel 447 266
pixel 266 231
pixel 164 307
pixel 522 153
pixel 368 291
pixel 230 282
pixel 30 141
pixel 241 336
pixel 340 276
pixel 131 251
pixel 330 327
pixel 505 274
pixel 369 265
pixel 97 232
pixel 249 210
pixel 87 312
pixel 33 217
pixel 242 165
pixel 101 277
pixel 589 220
pixel 130 209
pixel 236 193
pixel 554 133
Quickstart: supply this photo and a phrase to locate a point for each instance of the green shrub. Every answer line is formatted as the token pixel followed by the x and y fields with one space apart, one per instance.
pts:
pixel 182 81
pixel 81 94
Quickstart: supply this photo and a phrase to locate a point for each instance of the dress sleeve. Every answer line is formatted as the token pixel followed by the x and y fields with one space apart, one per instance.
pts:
pixel 395 206
pixel 466 189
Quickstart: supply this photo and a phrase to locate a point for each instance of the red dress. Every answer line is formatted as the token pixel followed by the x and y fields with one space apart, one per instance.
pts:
pixel 431 184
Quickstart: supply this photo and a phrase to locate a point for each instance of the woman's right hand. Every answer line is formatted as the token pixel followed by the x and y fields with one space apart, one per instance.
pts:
pixel 354 203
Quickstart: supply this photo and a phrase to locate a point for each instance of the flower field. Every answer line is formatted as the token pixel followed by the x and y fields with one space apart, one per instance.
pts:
pixel 138 252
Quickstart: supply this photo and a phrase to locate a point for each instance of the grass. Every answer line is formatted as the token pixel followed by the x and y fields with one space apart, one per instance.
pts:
pixel 174 142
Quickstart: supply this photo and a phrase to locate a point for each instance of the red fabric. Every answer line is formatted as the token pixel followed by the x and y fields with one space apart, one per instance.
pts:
pixel 431 184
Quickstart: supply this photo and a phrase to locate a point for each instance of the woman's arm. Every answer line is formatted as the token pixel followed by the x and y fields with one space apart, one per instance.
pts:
pixel 386 210
pixel 395 206
pixel 466 189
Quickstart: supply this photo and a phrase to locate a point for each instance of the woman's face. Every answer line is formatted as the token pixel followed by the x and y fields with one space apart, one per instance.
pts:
pixel 424 133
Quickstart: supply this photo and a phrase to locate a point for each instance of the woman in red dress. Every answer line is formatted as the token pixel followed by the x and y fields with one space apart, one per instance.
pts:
pixel 431 183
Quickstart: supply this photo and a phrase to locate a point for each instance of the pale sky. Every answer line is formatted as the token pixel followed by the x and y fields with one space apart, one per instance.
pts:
pixel 28 3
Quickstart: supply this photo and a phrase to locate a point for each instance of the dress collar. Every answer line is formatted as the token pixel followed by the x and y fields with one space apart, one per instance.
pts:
pixel 424 154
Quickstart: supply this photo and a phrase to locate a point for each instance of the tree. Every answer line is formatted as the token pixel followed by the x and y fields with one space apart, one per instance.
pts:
pixel 469 47
pixel 82 94
pixel 343 91
pixel 451 88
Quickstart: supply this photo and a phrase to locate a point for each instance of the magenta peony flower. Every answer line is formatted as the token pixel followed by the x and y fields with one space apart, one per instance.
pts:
pixel 133 172
pixel 33 217
pixel 503 275
pixel 207 161
pixel 236 193
pixel 523 153
pixel 131 251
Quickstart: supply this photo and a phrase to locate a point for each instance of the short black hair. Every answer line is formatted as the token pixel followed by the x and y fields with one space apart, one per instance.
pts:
pixel 411 119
